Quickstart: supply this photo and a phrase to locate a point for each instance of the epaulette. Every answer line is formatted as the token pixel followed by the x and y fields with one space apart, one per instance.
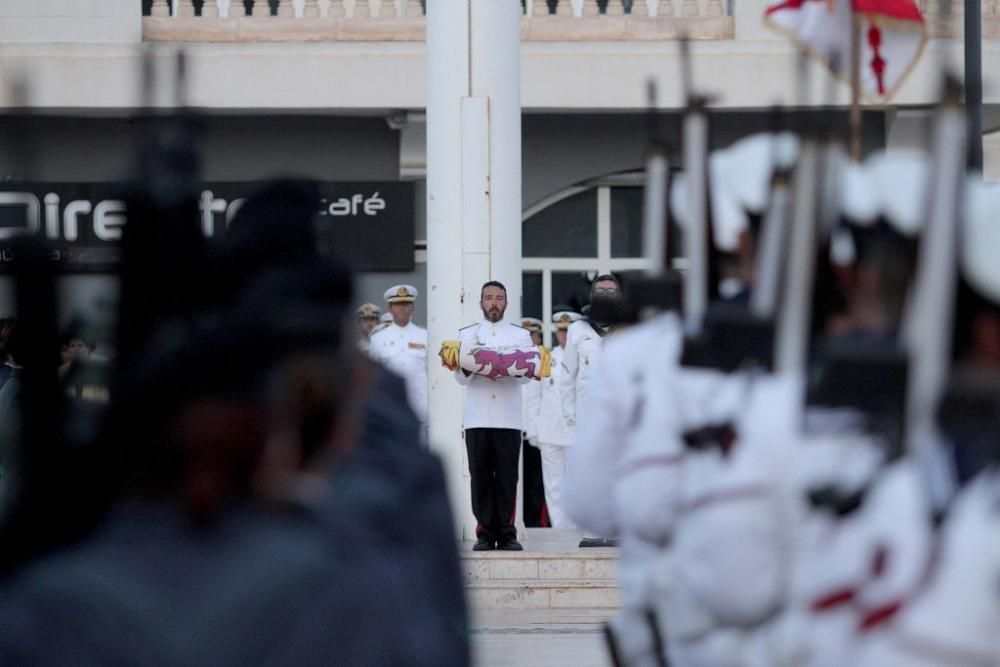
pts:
pixel 469 326
pixel 379 329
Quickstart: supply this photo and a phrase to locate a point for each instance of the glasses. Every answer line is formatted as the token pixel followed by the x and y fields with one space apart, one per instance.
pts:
pixel 605 290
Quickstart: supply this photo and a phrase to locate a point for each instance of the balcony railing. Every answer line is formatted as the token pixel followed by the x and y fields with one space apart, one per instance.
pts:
pixel 404 20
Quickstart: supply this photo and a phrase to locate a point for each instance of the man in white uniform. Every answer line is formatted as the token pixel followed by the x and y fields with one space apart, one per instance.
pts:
pixel 579 360
pixel 402 347
pixel 492 423
pixel 532 392
pixel 554 435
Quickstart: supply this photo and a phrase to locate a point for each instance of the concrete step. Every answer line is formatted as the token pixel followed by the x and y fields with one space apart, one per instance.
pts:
pixel 551 573
pixel 542 594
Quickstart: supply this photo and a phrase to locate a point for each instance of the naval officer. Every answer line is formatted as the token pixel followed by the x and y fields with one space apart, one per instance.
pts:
pixel 554 435
pixel 368 318
pixel 492 423
pixel 584 339
pixel 536 514
pixel 402 347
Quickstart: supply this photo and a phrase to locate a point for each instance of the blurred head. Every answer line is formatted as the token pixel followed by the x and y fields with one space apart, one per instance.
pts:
pixel 605 297
pixel 493 301
pixel 605 286
pixel 401 312
pixel 367 316
pixel 366 324
pixel 878 281
pixel 76 349
pixel 561 337
pixel 536 337
pixel 976 329
pixel 230 417
pixel 985 335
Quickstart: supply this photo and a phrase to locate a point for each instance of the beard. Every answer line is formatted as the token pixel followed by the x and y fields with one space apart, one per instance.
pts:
pixel 493 314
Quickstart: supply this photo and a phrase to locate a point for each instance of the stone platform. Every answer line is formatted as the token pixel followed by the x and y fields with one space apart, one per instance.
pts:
pixel 540 637
pixel 551 573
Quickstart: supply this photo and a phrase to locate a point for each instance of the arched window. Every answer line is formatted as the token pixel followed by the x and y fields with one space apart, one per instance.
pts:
pixel 572 236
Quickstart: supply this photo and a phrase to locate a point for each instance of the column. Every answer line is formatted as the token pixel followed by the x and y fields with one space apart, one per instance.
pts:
pixel 473 195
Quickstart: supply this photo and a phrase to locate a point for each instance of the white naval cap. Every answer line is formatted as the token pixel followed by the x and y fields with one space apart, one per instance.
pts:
pixel 368 310
pixel 860 203
pixel 729 220
pixel 746 168
pixel 386 318
pixel 740 183
pixel 401 294
pixel 900 180
pixel 981 238
pixel 531 323
pixel 564 318
pixel 888 185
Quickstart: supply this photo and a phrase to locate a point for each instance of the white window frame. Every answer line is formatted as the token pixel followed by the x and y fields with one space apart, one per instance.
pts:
pixel 604 262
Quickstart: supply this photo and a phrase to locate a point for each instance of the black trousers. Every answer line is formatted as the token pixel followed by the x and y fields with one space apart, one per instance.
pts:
pixel 536 515
pixel 493 454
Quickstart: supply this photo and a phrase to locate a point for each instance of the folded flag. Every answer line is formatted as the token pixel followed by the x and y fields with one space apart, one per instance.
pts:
pixel 494 363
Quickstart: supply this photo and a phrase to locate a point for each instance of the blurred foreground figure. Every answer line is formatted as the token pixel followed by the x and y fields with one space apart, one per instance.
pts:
pixel 273 504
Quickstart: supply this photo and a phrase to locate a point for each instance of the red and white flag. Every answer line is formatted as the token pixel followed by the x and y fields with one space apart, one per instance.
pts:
pixel 892 36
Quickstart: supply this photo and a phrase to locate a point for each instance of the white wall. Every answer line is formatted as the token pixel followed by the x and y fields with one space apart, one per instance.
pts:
pixel 70 21
pixel 743 73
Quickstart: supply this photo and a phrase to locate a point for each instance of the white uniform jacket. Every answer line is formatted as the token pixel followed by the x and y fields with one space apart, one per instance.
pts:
pixel 592 466
pixel 492 403
pixel 583 347
pixel 403 350
pixel 552 428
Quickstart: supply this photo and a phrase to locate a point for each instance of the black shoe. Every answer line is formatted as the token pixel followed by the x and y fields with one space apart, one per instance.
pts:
pixel 510 545
pixel 588 542
pixel 484 544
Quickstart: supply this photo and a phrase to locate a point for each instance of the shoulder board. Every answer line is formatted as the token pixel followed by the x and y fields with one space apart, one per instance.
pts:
pixel 469 326
pixel 517 325
pixel 378 329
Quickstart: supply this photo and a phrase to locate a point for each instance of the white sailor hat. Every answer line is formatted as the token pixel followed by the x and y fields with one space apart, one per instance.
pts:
pixel 531 323
pixel 400 294
pixel 900 180
pixel 860 202
pixel 564 318
pixel 981 239
pixel 386 318
pixel 746 168
pixel 368 310
pixel 729 220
